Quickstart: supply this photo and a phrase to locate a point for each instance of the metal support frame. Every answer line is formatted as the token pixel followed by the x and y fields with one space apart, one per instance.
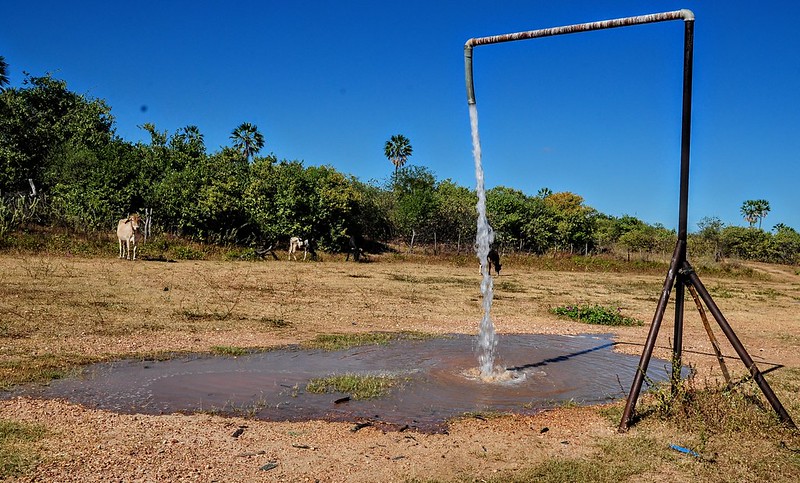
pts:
pixel 680 273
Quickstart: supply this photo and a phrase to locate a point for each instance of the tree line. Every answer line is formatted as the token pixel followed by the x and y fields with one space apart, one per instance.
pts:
pixel 62 165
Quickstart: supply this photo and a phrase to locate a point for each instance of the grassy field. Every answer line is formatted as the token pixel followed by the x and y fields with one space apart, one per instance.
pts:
pixel 58 312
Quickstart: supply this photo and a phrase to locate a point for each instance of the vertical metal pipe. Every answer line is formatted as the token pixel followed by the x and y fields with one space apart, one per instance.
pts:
pixel 686 127
pixel 737 345
pixel 468 74
pixel 677 341
pixel 641 370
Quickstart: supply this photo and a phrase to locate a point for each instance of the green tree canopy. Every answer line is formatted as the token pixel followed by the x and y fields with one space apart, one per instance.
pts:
pixel 755 211
pixel 39 120
pixel 397 150
pixel 247 139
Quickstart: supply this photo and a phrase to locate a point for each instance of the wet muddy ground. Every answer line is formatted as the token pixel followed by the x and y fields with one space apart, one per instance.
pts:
pixel 438 381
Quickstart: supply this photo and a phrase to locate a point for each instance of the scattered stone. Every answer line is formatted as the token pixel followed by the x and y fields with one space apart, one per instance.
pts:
pixel 269 466
pixel 303 446
pixel 360 426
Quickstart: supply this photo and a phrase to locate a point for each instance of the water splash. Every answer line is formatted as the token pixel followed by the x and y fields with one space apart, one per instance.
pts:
pixel 487 338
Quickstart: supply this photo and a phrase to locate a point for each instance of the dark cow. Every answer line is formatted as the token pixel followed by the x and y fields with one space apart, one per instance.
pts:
pixel 493 259
pixel 354 249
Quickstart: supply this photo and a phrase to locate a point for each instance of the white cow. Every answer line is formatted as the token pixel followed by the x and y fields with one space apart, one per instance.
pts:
pixel 128 232
pixel 294 244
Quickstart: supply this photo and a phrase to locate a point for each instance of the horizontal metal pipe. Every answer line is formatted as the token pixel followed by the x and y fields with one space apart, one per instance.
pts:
pixel 686 15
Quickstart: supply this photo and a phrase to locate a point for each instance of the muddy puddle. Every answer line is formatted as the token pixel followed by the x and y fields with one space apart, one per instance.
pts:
pixel 438 381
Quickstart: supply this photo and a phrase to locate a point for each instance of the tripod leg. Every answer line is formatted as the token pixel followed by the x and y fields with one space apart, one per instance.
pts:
pixel 737 345
pixel 711 337
pixel 677 259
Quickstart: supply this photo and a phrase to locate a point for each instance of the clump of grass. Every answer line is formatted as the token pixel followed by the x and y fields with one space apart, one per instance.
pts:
pixel 357 386
pixel 714 409
pixel 15 455
pixel 596 314
pixel 337 342
pixel 226 350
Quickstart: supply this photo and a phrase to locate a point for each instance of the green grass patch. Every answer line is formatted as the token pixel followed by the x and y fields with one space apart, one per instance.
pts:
pixel 337 342
pixel 16 457
pixel 595 314
pixel 17 369
pixel 355 385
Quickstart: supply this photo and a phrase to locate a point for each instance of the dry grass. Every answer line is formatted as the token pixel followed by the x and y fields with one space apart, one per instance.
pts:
pixel 57 312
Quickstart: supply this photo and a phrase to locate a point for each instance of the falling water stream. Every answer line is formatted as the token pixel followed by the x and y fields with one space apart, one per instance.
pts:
pixel 487 338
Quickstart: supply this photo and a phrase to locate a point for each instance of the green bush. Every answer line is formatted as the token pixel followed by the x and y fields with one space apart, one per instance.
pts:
pixel 595 314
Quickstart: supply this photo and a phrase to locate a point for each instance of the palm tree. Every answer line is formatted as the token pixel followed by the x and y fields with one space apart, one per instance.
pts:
pixel 754 210
pixel 4 81
pixel 247 139
pixel 397 150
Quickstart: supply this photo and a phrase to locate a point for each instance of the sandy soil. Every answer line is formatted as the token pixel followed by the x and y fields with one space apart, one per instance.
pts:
pixel 76 307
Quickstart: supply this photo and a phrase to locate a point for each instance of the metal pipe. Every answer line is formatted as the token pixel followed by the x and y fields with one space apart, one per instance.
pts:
pixel 714 343
pixel 758 377
pixel 686 15
pixel 677 341
pixel 686 124
pixel 641 370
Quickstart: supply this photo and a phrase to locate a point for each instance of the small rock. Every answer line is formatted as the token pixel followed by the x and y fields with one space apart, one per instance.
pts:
pixel 360 426
pixel 269 466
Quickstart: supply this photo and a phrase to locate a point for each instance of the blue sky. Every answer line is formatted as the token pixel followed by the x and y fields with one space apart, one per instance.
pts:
pixel 328 82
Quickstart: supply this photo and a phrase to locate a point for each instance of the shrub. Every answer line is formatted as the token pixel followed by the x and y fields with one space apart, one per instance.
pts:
pixel 595 314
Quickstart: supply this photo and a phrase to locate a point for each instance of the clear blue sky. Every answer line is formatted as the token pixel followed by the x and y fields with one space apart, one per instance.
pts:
pixel 328 82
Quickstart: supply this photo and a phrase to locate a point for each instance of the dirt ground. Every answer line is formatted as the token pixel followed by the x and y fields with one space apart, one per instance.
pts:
pixel 71 308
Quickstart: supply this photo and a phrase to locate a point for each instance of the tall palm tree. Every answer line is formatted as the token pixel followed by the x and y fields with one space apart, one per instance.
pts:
pixel 247 139
pixel 397 150
pixel 4 80
pixel 754 211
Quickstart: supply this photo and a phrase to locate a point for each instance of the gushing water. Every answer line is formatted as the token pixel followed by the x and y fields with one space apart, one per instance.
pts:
pixel 487 339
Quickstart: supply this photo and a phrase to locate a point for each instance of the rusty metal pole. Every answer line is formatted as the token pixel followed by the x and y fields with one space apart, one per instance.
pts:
pixel 679 257
pixel 737 345
pixel 714 343
pixel 686 132
pixel 677 340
